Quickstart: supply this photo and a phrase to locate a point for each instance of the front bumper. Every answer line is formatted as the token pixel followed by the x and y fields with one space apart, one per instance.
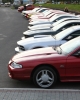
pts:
pixel 20 74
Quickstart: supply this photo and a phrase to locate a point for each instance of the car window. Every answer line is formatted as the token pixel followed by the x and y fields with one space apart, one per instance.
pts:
pixel 61 18
pixel 70 45
pixel 62 26
pixel 73 35
pixel 42 10
pixel 68 25
pixel 65 26
pixel 76 53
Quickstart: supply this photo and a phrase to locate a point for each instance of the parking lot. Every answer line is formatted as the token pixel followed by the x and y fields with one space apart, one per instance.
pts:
pixel 12 25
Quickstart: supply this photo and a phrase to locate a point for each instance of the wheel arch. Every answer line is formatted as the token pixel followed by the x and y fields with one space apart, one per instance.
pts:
pixel 58 76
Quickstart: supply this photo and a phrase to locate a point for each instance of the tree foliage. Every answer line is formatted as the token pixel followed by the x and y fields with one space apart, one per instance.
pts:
pixel 4 1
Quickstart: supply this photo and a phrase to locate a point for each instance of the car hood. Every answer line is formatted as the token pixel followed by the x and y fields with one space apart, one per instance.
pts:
pixel 40 26
pixel 40 19
pixel 29 11
pixel 36 39
pixel 35 22
pixel 35 52
pixel 30 32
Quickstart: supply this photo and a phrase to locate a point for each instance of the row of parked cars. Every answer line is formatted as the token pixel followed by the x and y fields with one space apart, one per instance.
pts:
pixel 49 51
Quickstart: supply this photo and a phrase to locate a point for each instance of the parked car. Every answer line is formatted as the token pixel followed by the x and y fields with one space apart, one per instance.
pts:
pixel 20 8
pixel 49 30
pixel 1 3
pixel 48 40
pixel 37 10
pixel 65 19
pixel 30 11
pixel 46 66
pixel 8 4
pixel 26 7
pixel 45 15
pixel 51 20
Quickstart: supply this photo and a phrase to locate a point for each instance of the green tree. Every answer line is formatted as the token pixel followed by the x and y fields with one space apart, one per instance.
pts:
pixel 34 1
pixel 4 1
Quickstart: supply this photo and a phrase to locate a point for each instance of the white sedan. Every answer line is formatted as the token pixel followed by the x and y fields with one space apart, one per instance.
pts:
pixel 36 11
pixel 46 15
pixel 30 11
pixel 48 40
pixel 50 21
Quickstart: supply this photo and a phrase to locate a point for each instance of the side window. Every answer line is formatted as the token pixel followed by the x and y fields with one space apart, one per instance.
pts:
pixel 65 27
pixel 58 19
pixel 72 35
pixel 77 53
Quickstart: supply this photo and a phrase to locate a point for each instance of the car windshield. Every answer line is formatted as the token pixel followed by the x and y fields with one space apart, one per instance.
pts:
pixel 58 26
pixel 53 18
pixel 63 34
pixel 50 14
pixel 35 9
pixel 69 46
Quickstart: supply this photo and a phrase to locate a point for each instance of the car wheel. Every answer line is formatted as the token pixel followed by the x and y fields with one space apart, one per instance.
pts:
pixel 44 77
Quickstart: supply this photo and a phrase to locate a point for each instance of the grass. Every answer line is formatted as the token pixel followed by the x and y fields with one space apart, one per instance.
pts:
pixel 71 7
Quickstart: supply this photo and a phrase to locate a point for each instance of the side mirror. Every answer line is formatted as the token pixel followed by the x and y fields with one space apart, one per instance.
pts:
pixel 77 54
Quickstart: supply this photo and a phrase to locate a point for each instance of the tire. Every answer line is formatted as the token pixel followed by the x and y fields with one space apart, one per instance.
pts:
pixel 44 77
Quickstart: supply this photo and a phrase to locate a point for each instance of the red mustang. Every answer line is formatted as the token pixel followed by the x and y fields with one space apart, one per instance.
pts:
pixel 26 7
pixel 46 66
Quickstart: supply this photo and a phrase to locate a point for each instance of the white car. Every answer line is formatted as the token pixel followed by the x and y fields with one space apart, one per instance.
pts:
pixel 48 40
pixel 65 19
pixel 30 11
pixel 34 11
pixel 46 15
pixel 51 31
pixel 54 18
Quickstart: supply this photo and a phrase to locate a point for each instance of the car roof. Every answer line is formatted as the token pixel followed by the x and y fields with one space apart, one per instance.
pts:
pixel 68 31
pixel 66 19
pixel 65 23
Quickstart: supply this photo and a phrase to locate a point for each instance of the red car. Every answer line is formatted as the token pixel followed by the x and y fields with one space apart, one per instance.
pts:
pixel 26 7
pixel 46 66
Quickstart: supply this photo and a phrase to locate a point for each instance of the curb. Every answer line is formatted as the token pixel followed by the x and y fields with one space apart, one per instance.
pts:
pixel 29 89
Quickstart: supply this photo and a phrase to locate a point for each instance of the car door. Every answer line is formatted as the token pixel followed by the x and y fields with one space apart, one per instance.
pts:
pixel 73 67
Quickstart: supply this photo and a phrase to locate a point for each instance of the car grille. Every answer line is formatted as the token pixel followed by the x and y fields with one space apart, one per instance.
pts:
pixel 21 48
pixel 30 25
pixel 26 36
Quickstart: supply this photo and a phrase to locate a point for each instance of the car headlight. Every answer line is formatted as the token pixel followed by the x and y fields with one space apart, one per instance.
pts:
pixel 15 65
